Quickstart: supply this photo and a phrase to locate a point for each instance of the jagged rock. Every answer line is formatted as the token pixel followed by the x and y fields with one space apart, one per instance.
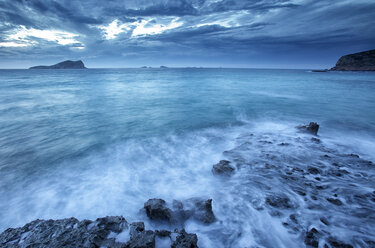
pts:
pixel 313 170
pixel 156 209
pixel 185 240
pixel 64 233
pixel 363 61
pixel 136 228
pixel 312 128
pixel 312 238
pixel 68 64
pixel 201 210
pixel 223 167
pixel 143 239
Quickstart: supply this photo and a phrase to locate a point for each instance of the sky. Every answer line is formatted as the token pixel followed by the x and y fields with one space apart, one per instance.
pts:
pixel 179 33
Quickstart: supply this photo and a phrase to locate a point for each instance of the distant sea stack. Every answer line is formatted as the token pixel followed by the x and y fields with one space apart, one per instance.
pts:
pixel 363 61
pixel 68 64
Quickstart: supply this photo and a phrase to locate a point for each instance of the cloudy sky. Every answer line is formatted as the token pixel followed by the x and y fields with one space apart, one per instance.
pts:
pixel 212 33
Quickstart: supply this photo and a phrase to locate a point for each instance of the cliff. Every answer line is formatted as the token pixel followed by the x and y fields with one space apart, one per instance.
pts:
pixel 363 61
pixel 68 64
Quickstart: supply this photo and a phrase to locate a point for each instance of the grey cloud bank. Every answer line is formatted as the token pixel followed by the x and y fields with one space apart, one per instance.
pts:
pixel 228 33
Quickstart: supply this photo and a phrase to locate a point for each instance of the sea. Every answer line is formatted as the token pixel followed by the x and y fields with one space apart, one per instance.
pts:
pixel 101 142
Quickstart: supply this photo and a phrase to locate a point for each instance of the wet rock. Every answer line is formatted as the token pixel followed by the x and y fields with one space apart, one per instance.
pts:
pixel 337 202
pixel 324 221
pixel 313 170
pixel 136 228
pixel 312 238
pixel 300 192
pixel 338 173
pixel 223 167
pixel 113 223
pixel 338 244
pixel 201 210
pixel 144 239
pixel 196 208
pixel 163 233
pixel 353 155
pixel 321 187
pixel 316 140
pixel 64 233
pixel 293 218
pixel 156 209
pixel 185 240
pixel 312 128
pixel 279 201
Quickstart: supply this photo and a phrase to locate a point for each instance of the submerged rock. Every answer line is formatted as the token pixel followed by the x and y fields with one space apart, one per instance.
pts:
pixel 313 170
pixel 312 128
pixel 337 202
pixel 338 244
pixel 279 201
pixel 312 238
pixel 223 167
pixel 201 210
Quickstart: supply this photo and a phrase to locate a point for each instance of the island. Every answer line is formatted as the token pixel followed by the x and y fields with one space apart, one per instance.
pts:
pixel 363 61
pixel 68 64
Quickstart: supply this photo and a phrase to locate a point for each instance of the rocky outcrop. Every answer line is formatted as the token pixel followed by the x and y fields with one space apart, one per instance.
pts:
pixel 156 210
pixel 194 208
pixel 223 168
pixel 312 128
pixel 363 61
pixel 68 64
pixel 113 231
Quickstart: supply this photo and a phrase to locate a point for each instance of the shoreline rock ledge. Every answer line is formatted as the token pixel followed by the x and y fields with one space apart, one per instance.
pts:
pixel 67 64
pixel 363 61
pixel 107 232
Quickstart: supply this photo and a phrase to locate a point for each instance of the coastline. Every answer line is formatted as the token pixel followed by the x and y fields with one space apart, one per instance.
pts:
pixel 325 184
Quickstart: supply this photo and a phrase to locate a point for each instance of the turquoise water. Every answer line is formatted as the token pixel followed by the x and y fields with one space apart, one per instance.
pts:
pixel 88 143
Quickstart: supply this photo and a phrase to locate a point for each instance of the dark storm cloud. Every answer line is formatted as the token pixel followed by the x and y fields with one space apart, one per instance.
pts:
pixel 175 29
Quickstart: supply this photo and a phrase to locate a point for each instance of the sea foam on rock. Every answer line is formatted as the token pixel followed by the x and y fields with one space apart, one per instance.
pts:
pixel 223 168
pixel 195 208
pixel 312 128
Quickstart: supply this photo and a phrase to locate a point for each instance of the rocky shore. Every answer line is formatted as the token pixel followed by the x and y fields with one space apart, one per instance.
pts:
pixel 319 202
pixel 115 231
pixel 363 61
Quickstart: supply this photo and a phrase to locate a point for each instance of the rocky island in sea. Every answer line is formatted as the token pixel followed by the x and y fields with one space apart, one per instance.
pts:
pixel 67 64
